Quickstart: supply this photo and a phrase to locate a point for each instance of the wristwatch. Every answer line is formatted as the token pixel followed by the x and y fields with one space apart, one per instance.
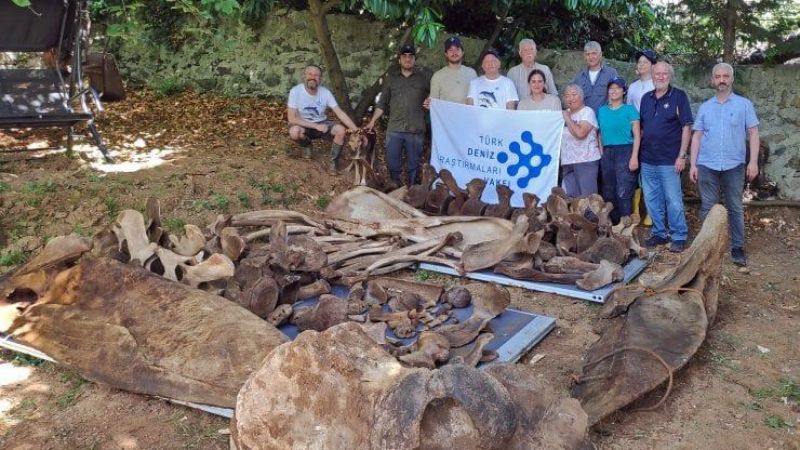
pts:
pixel 684 156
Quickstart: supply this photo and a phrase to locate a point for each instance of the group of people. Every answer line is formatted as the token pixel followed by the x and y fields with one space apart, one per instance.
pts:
pixel 621 135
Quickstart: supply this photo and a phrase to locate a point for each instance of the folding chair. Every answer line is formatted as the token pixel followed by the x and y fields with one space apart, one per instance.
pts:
pixel 42 98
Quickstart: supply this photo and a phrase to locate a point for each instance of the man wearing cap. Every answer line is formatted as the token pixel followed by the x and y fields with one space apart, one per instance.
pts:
pixel 492 90
pixel 724 123
pixel 666 119
pixel 451 82
pixel 644 69
pixel 306 111
pixel 403 95
pixel 594 78
pixel 519 73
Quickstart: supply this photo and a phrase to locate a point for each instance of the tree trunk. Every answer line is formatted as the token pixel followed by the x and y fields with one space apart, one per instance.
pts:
pixel 368 94
pixel 498 28
pixel 729 22
pixel 319 11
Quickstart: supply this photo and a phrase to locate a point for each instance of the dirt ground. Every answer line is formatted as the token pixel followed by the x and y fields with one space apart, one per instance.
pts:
pixel 204 155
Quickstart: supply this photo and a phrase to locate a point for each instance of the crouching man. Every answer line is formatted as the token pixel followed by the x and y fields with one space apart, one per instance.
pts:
pixel 307 112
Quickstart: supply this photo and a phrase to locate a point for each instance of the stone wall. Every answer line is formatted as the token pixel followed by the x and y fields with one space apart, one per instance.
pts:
pixel 233 60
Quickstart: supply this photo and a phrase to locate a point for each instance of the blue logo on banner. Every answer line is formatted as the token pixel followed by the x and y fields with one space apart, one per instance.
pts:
pixel 534 161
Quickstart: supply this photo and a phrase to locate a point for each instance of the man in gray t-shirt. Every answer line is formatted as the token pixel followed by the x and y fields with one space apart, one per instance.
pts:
pixel 307 112
pixel 451 82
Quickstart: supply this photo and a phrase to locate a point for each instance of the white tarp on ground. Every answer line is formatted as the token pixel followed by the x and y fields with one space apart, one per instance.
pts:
pixel 520 149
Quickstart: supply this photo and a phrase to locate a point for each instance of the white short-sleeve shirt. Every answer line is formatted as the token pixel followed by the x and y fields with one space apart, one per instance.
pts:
pixel 312 108
pixel 495 93
pixel 574 150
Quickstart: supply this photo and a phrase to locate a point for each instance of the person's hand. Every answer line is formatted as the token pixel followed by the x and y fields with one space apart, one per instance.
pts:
pixel 680 164
pixel 752 171
pixel 567 116
pixel 370 125
pixel 427 103
pixel 693 174
pixel 633 164
pixel 322 128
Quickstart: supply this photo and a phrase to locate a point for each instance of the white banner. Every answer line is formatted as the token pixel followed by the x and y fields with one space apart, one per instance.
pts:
pixel 520 149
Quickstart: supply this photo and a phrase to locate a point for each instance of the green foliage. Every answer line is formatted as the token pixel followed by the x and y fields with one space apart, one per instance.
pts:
pixel 22 3
pixel 276 193
pixel 220 201
pixel 786 388
pixel 422 275
pixel 168 87
pixel 775 422
pixel 22 359
pixel 174 225
pixel 70 396
pixel 244 199
pixel 112 207
pixel 39 187
pixel 12 258
pixel 202 204
pixel 4 187
pixel 81 231
pixel 323 201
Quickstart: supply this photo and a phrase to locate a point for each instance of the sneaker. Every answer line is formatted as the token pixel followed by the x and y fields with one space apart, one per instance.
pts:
pixel 738 257
pixel 677 246
pixel 654 241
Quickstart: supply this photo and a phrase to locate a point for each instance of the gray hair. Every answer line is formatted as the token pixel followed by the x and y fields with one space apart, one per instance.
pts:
pixel 574 87
pixel 727 67
pixel 526 42
pixel 592 45
pixel 669 67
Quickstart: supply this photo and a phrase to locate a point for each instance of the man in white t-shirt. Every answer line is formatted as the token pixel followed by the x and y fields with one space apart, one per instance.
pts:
pixel 307 112
pixel 644 68
pixel 519 74
pixel 492 90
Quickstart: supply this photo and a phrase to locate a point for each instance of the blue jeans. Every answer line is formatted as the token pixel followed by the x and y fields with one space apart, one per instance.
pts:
pixel 664 196
pixel 617 181
pixel 580 179
pixel 731 182
pixel 395 143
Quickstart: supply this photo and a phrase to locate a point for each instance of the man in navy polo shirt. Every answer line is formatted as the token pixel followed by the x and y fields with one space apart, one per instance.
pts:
pixel 724 123
pixel 666 119
pixel 594 78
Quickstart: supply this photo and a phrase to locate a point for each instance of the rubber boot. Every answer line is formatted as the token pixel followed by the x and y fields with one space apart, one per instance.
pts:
pixel 637 203
pixel 336 151
pixel 306 151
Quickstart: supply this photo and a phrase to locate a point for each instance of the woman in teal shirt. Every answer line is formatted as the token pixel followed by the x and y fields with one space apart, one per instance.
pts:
pixel 619 143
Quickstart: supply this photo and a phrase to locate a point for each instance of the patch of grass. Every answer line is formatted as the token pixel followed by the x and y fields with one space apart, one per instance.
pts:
pixel 39 187
pixel 755 406
pixel 13 258
pixel 220 201
pixel 202 204
pixel 786 388
pixel 194 436
pixel 168 87
pixel 23 408
pixel 422 275
pixel 81 231
pixel 70 396
pixel 174 225
pixel 775 422
pixel 20 229
pixel 21 359
pixel 276 193
pixel 4 187
pixel 244 199
pixel 33 202
pixel 112 207
pixel 95 178
pixel 721 359
pixel 323 201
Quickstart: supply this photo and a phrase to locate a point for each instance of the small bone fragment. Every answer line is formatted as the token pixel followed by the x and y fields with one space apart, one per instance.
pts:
pixel 458 297
pixel 569 265
pixel 280 315
pixel 190 244
pixel 474 356
pixel 130 230
pixel 607 273
pixel 314 289
pixel 432 348
pixel 232 244
pixel 170 261
pixel 375 293
pixel 405 301
pixel 329 311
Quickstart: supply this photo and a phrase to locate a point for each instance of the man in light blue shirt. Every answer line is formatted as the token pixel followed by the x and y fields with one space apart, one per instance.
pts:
pixel 723 124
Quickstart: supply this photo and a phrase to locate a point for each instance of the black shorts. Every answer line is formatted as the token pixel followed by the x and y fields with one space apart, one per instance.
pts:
pixel 312 133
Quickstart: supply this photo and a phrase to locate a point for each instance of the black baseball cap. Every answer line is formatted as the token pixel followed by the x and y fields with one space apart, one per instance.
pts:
pixel 453 41
pixel 647 53
pixel 407 49
pixel 491 51
pixel 619 81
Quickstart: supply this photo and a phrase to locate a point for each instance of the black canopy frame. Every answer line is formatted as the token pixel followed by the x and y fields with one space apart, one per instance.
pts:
pixel 37 98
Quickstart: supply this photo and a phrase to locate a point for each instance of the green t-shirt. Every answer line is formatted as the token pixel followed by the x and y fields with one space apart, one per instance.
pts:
pixel 615 124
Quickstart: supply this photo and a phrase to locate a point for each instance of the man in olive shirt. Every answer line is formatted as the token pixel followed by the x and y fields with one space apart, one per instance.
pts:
pixel 403 95
pixel 451 82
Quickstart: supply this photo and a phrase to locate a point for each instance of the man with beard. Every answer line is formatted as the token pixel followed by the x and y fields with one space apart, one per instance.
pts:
pixel 724 123
pixel 403 94
pixel 492 90
pixel 307 112
pixel 594 78
pixel 519 74
pixel 666 119
pixel 451 82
